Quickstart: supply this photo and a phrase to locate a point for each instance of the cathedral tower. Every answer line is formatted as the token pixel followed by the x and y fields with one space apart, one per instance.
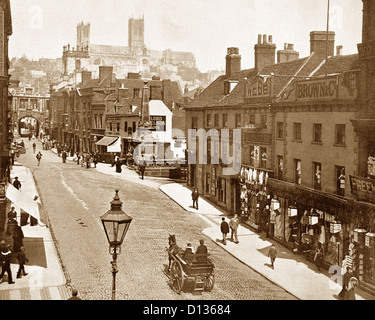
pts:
pixel 83 35
pixel 136 30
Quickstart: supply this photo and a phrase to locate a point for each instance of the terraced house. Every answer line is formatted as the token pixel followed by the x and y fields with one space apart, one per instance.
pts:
pixel 306 146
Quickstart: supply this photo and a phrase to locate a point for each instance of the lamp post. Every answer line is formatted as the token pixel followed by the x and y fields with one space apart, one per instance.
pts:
pixel 116 224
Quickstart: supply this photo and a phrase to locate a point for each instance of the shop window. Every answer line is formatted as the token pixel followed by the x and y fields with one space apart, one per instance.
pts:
pixel 222 189
pixel 280 130
pixel 340 180
pixel 317 171
pixel 297 131
pixel 225 120
pixel 216 120
pixel 297 171
pixel 208 120
pixel 238 120
pixel 317 132
pixel 340 134
pixel 263 121
pixel 280 167
pixel 208 179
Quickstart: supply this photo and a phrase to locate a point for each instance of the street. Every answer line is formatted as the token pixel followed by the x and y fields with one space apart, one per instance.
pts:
pixel 74 198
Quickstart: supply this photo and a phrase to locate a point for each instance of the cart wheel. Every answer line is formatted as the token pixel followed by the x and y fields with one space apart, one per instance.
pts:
pixel 177 276
pixel 209 281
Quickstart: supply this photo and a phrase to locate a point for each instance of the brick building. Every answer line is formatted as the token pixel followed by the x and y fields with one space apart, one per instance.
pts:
pixel 6 135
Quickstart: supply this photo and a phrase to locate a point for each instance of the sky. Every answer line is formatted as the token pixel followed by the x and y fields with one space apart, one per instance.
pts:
pixel 205 27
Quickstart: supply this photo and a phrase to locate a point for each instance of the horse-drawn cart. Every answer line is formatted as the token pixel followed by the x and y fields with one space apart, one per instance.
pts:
pixel 190 273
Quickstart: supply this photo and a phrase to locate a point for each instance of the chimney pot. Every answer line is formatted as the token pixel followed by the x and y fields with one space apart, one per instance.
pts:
pixel 259 39
pixel 285 46
pixel 264 39
pixel 270 38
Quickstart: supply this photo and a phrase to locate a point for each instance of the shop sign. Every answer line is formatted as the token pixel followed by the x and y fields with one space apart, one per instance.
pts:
pixel 255 137
pixel 363 188
pixel 317 89
pixel 158 123
pixel 260 87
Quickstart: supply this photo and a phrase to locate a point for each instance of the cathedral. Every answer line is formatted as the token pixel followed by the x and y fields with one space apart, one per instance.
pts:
pixel 134 58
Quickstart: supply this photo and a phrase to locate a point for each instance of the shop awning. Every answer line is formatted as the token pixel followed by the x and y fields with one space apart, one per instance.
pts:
pixel 23 201
pixel 107 141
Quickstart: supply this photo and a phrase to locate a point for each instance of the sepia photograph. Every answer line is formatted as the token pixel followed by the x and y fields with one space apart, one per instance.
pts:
pixel 187 157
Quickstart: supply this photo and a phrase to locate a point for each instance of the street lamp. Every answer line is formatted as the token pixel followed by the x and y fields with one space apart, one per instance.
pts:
pixel 116 224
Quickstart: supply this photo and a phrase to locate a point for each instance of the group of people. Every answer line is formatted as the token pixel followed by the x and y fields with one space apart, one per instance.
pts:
pixel 200 253
pixel 85 159
pixel 13 231
pixel 231 227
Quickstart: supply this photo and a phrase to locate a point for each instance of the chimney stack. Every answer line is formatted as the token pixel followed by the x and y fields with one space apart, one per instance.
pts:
pixel 265 52
pixel 318 43
pixel 233 61
pixel 86 75
pixel 339 50
pixel 288 54
pixel 105 75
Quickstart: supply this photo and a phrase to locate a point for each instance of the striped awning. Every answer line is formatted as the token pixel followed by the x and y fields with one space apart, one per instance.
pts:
pixel 107 141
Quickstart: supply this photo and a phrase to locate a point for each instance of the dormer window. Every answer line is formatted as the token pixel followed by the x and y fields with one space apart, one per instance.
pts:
pixel 229 85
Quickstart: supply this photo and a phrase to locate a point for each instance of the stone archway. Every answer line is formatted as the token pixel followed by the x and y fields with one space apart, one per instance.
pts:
pixel 28 125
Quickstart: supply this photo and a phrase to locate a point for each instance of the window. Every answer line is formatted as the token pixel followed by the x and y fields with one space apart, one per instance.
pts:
pixel 263 157
pixel 340 134
pixel 136 93
pixel 118 126
pixel 222 189
pixel 216 120
pixel 238 120
pixel 208 117
pixel 317 132
pixel 252 155
pixel 209 150
pixel 110 126
pixel 225 120
pixel 280 167
pixel 208 178
pixel 317 171
pixel 340 180
pixel 297 131
pixel 297 171
pixel 126 126
pixel 252 119
pixel 263 121
pixel 280 130
pixel 134 126
pixel 194 123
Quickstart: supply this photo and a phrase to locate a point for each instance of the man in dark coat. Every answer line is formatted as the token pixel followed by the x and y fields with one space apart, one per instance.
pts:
pixel 64 155
pixel 195 197
pixel 224 227
pixel 74 295
pixel 142 168
pixel 22 259
pixel 6 258
pixel 201 251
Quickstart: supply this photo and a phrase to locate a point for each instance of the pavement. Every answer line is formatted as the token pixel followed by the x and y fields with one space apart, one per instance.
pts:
pixel 47 280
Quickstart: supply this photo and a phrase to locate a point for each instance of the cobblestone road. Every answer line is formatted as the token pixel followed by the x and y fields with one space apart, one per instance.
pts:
pixel 75 198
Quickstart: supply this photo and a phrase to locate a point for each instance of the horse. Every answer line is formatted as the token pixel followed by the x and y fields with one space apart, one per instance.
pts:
pixel 173 249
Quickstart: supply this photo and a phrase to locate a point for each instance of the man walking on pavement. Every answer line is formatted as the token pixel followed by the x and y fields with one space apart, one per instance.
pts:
pixel 5 258
pixel 224 227
pixel 272 255
pixel 233 224
pixel 39 157
pixel 195 197
pixel 22 259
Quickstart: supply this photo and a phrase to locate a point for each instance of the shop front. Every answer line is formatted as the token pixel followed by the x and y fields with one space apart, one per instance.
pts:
pixel 308 219
pixel 255 199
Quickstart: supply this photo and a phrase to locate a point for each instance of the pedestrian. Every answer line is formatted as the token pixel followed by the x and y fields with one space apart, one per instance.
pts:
pixel 39 157
pixel 5 259
pixel 142 169
pixel 272 255
pixel 318 257
pixel 17 238
pixel 195 197
pixel 22 259
pixel 188 253
pixel 12 214
pixel 34 147
pixel 22 143
pixel 345 283
pixel 233 224
pixel 17 184
pixel 118 165
pixel 77 158
pixel 88 161
pixel 95 159
pixel 74 295
pixel 64 155
pixel 350 291
pixel 201 251
pixel 224 228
